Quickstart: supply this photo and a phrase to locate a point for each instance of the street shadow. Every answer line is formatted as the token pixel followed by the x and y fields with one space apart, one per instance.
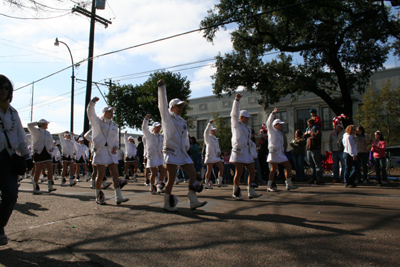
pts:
pixel 28 207
pixel 11 257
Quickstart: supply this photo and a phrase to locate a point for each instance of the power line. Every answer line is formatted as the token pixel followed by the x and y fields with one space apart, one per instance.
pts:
pixel 170 37
pixel 12 17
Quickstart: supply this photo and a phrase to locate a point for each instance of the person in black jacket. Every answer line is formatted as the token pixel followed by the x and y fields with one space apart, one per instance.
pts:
pixel 140 151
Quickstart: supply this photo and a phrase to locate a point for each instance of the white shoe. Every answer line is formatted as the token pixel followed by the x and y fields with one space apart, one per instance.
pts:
pixel 51 187
pixel 167 203
pixel 87 177
pixel 36 189
pixel 194 202
pixel 208 184
pixel 72 181
pixel 220 184
pixel 236 193
pixel 134 177
pixel 118 196
pixel 105 185
pixel 271 186
pixel 63 181
pixel 289 184
pixel 153 190
pixel 251 193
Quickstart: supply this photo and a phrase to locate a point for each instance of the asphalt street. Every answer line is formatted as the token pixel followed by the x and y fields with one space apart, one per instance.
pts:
pixel 327 225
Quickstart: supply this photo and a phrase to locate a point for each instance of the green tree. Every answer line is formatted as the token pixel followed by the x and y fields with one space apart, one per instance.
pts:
pixel 224 133
pixel 134 102
pixel 381 111
pixel 341 43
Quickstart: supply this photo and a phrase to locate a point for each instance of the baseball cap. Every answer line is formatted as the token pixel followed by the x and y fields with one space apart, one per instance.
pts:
pixel 213 128
pixel 43 121
pixel 277 121
pixel 81 139
pixel 244 113
pixel 130 138
pixel 176 101
pixel 108 108
pixel 156 124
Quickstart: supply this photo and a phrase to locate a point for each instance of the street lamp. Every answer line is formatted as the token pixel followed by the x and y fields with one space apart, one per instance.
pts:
pixel 57 43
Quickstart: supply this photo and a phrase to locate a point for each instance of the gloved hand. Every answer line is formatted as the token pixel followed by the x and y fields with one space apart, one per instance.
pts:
pixel 29 162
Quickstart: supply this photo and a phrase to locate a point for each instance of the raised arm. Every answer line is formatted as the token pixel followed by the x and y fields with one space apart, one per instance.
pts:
pixel 162 100
pixel 271 120
pixel 32 127
pixel 145 126
pixel 88 136
pixel 235 113
pixel 94 120
pixel 207 132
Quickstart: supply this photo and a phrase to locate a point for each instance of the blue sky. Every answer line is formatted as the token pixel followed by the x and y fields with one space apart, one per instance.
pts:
pixel 28 52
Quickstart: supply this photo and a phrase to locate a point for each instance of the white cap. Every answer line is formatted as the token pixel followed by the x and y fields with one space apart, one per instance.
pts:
pixel 156 124
pixel 244 113
pixel 43 121
pixel 176 101
pixel 81 139
pixel 130 138
pixel 108 108
pixel 67 133
pixel 213 128
pixel 277 121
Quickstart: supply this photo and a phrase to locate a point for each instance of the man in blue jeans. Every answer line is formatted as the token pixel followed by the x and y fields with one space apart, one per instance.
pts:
pixel 337 154
pixel 313 136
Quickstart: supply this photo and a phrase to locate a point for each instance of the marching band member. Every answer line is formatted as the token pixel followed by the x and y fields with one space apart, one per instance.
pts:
pixel 175 147
pixel 130 156
pixel 241 150
pixel 105 141
pixel 155 161
pixel 67 157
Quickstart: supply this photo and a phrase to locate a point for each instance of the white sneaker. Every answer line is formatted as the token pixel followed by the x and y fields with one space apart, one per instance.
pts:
pixel 63 181
pixel 271 187
pixel 51 186
pixel 208 184
pixel 220 184
pixel 36 189
pixel 72 181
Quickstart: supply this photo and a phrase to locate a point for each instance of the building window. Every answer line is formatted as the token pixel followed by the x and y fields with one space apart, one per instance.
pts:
pixel 201 126
pixel 202 106
pixel 283 117
pixel 225 103
pixel 302 116
pixel 326 118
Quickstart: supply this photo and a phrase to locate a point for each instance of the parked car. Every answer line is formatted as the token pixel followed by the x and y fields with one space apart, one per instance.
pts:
pixel 393 154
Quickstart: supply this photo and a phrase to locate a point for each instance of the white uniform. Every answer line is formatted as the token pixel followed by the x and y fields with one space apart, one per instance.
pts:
pixel 15 132
pixel 104 137
pixel 130 149
pixel 213 151
pixel 275 143
pixel 176 135
pixel 154 145
pixel 81 151
pixel 241 134
pixel 67 147
pixel 56 154
pixel 41 139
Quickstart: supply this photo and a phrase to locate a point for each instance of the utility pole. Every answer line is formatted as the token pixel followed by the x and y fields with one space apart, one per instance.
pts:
pixel 93 19
pixel 33 89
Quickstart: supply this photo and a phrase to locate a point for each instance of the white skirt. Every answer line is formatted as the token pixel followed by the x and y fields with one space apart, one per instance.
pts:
pixel 245 157
pixel 212 159
pixel 180 158
pixel 276 157
pixel 154 161
pixel 104 157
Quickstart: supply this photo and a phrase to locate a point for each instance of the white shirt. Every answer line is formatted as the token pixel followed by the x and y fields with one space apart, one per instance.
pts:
pixel 350 145
pixel 56 155
pixel 104 131
pixel 81 150
pixel 275 137
pixel 241 132
pixel 130 148
pixel 154 141
pixel 212 143
pixel 41 138
pixel 176 135
pixel 67 146
pixel 15 132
